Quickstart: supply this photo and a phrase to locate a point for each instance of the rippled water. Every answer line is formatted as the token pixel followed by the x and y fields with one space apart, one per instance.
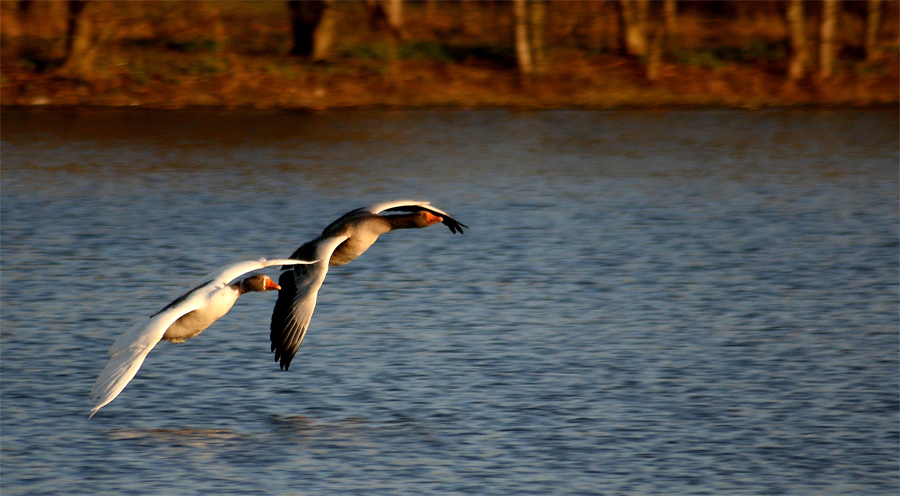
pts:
pixel 681 302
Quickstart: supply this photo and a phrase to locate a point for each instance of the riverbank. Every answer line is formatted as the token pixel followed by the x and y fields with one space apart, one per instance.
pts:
pixel 452 55
pixel 599 82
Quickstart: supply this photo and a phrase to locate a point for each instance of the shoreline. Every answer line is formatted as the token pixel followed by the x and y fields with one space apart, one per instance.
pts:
pixel 604 83
pixel 454 56
pixel 510 108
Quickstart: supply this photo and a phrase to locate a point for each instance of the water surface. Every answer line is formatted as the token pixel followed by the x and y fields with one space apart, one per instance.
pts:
pixel 682 302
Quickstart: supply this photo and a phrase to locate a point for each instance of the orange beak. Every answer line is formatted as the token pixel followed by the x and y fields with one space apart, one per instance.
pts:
pixel 270 285
pixel 433 219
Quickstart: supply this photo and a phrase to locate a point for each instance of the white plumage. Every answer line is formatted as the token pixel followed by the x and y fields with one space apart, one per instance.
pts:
pixel 182 319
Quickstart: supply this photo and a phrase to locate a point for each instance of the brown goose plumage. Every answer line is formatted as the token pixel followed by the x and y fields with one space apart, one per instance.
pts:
pixel 360 228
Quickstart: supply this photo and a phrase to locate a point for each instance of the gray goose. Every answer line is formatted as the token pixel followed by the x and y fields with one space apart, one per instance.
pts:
pixel 361 227
pixel 184 318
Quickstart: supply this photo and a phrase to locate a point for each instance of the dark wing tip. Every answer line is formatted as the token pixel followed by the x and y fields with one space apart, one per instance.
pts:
pixel 286 358
pixel 284 352
pixel 454 225
pixel 283 355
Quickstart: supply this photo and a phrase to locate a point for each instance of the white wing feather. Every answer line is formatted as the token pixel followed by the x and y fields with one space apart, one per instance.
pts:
pixel 224 275
pixel 380 207
pixel 129 351
pixel 127 354
pixel 228 273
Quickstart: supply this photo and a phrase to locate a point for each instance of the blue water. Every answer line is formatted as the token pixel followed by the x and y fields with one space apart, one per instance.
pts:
pixel 647 302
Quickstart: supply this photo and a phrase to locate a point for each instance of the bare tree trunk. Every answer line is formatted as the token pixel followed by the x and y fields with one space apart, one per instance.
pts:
pixel 873 48
pixel 537 35
pixel 394 15
pixel 323 35
pixel 654 61
pixel 81 46
pixel 826 46
pixel 523 44
pixel 799 50
pixel 305 16
pixel 529 17
pixel 312 27
pixel 73 29
pixel 660 30
pixel 613 39
pixel 634 25
pixel 386 15
pixel 670 13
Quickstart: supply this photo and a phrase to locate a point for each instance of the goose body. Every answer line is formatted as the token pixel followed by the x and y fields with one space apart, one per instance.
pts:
pixel 184 318
pixel 359 229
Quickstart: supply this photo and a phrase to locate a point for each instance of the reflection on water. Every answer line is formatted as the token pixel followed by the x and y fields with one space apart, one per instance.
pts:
pixel 197 438
pixel 687 302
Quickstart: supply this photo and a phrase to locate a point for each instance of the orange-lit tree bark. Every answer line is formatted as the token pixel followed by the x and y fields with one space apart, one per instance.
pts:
pixel 660 31
pixel 799 51
pixel 323 35
pixel 386 14
pixel 633 19
pixel 529 18
pixel 873 48
pixel 827 43
pixel 81 48
pixel 523 41
pixel 643 36
pixel 670 14
pixel 654 58
pixel 304 19
pixel 394 13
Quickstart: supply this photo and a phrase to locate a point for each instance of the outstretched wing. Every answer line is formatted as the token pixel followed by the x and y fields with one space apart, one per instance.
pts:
pixel 395 206
pixel 225 274
pixel 416 206
pixel 296 302
pixel 228 273
pixel 127 354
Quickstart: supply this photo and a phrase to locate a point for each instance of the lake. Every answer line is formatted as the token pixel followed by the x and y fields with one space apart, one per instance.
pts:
pixel 646 303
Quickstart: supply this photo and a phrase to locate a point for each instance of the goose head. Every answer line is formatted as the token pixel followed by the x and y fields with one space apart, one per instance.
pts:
pixel 258 283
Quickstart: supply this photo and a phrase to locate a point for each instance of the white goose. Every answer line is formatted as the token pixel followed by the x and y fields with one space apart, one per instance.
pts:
pixel 359 228
pixel 184 318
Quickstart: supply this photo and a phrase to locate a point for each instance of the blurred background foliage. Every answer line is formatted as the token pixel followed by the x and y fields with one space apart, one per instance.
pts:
pixel 469 53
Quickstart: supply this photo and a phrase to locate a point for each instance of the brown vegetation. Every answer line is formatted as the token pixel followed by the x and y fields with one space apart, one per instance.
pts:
pixel 526 53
